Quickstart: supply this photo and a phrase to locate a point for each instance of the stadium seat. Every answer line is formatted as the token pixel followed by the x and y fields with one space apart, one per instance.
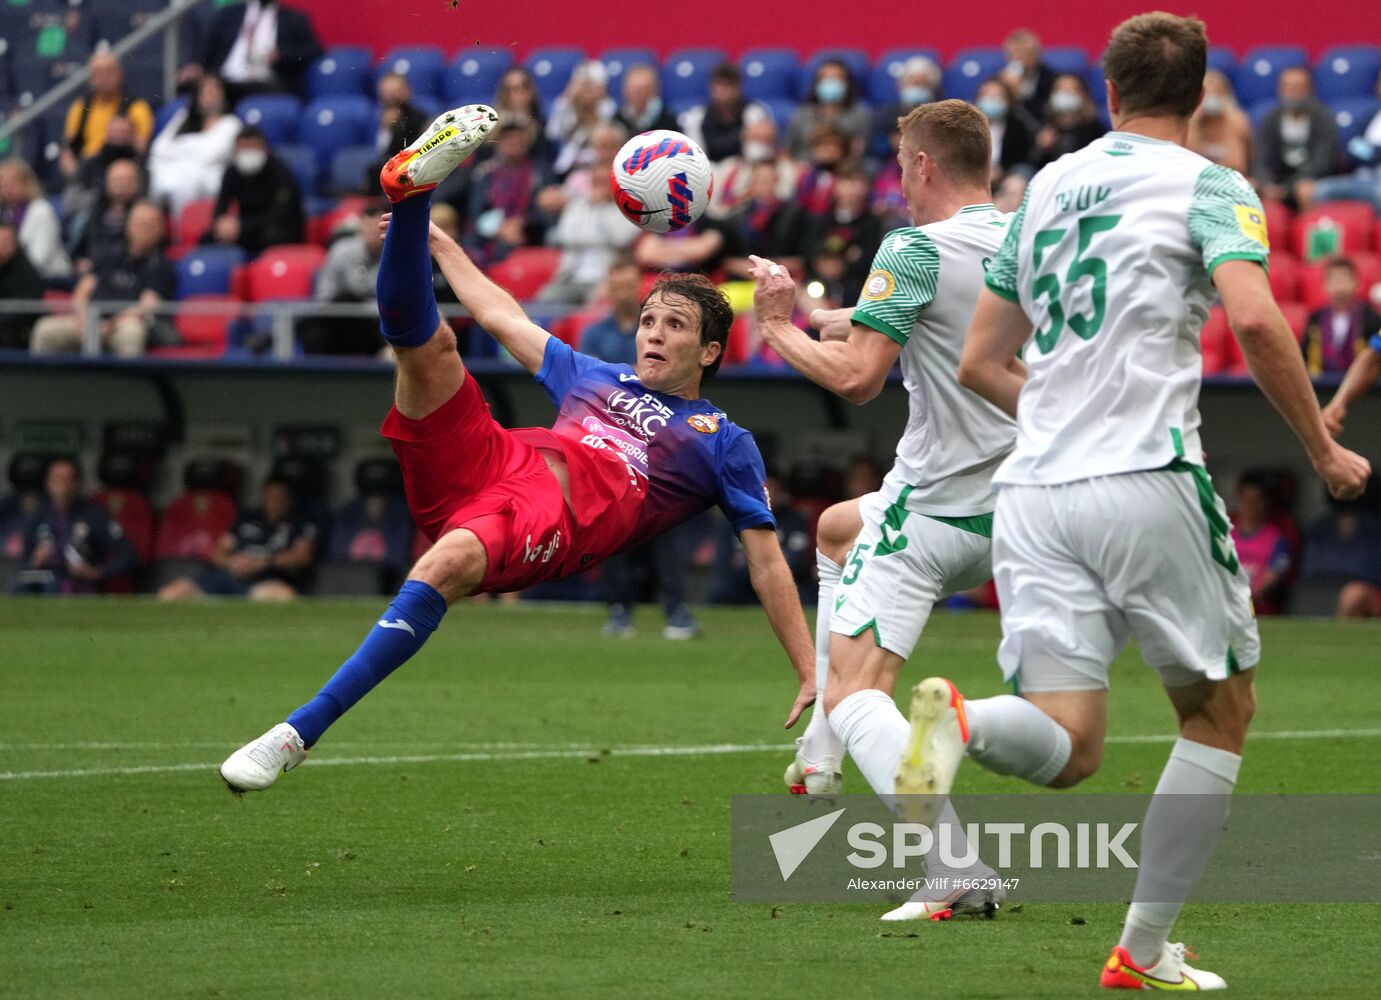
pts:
pixel 350 168
pixel 860 66
pixel 1355 221
pixel 282 272
pixel 769 74
pixel 302 161
pixel 1224 61
pixel 203 334
pixel 1256 77
pixel 1221 354
pixel 882 81
pixel 1347 71
pixel 1280 219
pixel 194 221
pixel 17 506
pixel 375 526
pixel 1284 275
pixel 970 68
pixel 320 227
pixel 133 512
pixel 207 270
pixel 619 61
pixel 526 271
pixel 192 523
pixel 1376 234
pixel 276 115
pixel 344 70
pixel 551 69
pixel 423 65
pixel 1353 115
pixel 163 113
pixel 472 77
pixel 1066 59
pixel 686 73
pixel 332 123
pixel 1296 314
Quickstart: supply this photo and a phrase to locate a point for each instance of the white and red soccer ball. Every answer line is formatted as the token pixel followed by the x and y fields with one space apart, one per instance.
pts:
pixel 662 181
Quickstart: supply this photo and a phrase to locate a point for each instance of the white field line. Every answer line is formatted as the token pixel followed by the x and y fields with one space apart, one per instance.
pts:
pixel 513 752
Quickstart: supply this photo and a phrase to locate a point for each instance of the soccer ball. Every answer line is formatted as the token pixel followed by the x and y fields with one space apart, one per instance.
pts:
pixel 661 181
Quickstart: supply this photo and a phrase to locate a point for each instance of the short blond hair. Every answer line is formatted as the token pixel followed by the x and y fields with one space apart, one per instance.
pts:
pixel 955 133
pixel 32 189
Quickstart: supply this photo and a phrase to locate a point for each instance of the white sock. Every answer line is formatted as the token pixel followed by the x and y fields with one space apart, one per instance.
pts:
pixel 873 730
pixel 1009 735
pixel 1177 838
pixel 819 741
pixel 937 862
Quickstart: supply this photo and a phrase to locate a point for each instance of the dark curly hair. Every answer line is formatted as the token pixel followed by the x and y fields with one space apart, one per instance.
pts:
pixel 716 316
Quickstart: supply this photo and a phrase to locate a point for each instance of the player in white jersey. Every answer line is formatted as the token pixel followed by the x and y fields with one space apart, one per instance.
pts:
pixel 886 558
pixel 1107 525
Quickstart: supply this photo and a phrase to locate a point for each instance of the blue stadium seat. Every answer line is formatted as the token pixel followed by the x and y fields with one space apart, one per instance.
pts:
pixel 551 68
pixel 1256 76
pixel 423 65
pixel 769 74
pixel 1096 83
pixel 433 106
pixel 1347 71
pixel 781 109
pixel 332 123
pixel 207 270
pixel 276 115
pixel 686 73
pixel 1353 115
pixel 163 113
pixel 1258 111
pixel 1066 59
pixel 302 161
pixel 144 76
pixel 680 105
pixel 882 82
pixel 473 75
pixel 344 69
pixel 619 61
pixel 1221 58
pixel 860 66
pixel 970 68
pixel 349 169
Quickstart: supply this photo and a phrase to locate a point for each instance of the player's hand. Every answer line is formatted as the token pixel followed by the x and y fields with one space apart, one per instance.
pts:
pixel 1345 472
pixel 833 324
pixel 1333 416
pixel 804 699
pixel 774 298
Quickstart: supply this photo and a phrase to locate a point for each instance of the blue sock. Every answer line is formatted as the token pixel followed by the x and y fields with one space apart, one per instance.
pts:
pixel 407 301
pixel 409 621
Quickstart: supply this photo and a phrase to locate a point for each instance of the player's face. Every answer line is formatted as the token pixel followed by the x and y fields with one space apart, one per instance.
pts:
pixel 670 355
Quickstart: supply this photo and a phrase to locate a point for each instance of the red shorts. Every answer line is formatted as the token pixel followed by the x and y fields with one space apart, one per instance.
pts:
pixel 462 470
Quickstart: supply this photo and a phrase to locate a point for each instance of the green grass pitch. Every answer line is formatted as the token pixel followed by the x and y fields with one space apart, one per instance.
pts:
pixel 436 861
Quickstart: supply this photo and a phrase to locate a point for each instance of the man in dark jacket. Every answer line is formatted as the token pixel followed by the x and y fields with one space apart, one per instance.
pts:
pixel 400 122
pixel 263 191
pixel 71 545
pixel 1297 142
pixel 642 109
pixel 257 47
pixel 18 280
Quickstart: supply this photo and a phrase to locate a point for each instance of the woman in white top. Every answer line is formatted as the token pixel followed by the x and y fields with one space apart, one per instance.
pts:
pixel 188 158
pixel 40 234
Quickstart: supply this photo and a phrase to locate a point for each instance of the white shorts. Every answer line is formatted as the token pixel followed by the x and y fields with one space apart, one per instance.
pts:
pixel 900 565
pixel 1082 566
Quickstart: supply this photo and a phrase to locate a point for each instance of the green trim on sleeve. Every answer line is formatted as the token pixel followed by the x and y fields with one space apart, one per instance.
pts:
pixel 998 290
pixel 880 325
pixel 1223 258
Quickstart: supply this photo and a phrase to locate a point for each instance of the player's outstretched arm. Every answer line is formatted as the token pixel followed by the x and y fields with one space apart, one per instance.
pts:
pixel 990 365
pixel 491 306
pixel 854 368
pixel 1361 376
pixel 1278 368
pixel 776 589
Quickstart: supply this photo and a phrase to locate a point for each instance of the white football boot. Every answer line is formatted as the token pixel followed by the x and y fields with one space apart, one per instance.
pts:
pixel 1172 972
pixel 934 750
pixel 256 766
pixel 445 145
pixel 932 905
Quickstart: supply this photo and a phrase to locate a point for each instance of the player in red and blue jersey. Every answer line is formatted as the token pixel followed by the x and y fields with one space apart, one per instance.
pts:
pixel 634 450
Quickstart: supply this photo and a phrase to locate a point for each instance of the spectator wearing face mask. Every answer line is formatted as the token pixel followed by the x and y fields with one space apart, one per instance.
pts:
pixel 918 83
pixel 1026 76
pixel 732 177
pixel 259 204
pixel 1219 130
pixel 642 109
pixel 1297 141
pixel 189 157
pixel 1071 121
pixel 718 124
pixel 1013 131
pixel 833 102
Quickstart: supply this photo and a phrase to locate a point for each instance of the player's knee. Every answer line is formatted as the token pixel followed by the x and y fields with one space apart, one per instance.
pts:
pixel 1085 757
pixel 836 530
pixel 454 566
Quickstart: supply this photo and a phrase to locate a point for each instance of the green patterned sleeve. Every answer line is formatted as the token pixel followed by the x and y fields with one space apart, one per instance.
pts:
pixel 1002 270
pixel 1226 220
pixel 902 282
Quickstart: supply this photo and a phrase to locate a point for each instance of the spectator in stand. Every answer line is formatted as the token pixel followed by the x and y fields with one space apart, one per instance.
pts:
pixel 1220 131
pixel 718 125
pixel 1344 546
pixel 83 189
pixel 23 206
pixel 348 275
pixel 1030 80
pixel 590 229
pixel 89 116
pixel 400 122
pixel 1262 548
pixel 504 212
pixel 614 338
pixel 133 271
pixel 71 545
pixel 1012 127
pixel 918 83
pixel 259 204
pixel 1338 333
pixel 259 47
pixel 266 556
pixel 19 280
pixel 447 219
pixel 847 232
pixel 833 101
pixel 517 100
pixel 1364 184
pixel 1071 121
pixel 1361 376
pixel 1296 143
pixel 577 115
pixel 731 580
pixel 189 157
pixel 101 223
pixel 732 176
pixel 1010 191
pixel 706 245
pixel 769 225
pixel 829 151
pixel 642 109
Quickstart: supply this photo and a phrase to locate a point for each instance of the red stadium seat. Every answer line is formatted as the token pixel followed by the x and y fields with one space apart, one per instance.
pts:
pixel 204 335
pixel 194 221
pixel 1221 354
pixel 133 513
pixel 526 271
pixel 282 272
pixel 739 347
pixel 192 524
pixel 1297 315
pixel 575 325
pixel 1280 221
pixel 1284 275
pixel 1355 221
pixel 320 227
